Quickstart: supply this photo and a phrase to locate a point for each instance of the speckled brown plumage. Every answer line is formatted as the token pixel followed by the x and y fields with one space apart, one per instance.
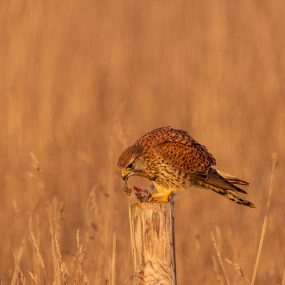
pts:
pixel 174 161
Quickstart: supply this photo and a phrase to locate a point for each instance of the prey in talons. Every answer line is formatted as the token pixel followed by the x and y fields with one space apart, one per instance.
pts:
pixel 142 195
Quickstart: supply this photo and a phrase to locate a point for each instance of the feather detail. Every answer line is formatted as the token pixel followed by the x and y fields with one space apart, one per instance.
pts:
pixel 223 186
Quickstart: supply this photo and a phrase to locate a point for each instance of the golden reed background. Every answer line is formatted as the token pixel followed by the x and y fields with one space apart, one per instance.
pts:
pixel 80 80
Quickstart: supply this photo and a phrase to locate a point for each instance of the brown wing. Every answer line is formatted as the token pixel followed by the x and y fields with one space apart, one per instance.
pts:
pixel 178 148
pixel 184 157
pixel 195 161
pixel 163 135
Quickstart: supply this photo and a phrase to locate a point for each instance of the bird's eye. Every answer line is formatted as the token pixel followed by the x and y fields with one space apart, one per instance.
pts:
pixel 129 166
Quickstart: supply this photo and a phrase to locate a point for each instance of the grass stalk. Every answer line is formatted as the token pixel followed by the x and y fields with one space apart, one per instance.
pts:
pixel 217 245
pixel 265 221
pixel 113 272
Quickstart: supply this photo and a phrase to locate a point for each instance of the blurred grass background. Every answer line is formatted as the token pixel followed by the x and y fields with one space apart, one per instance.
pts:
pixel 81 80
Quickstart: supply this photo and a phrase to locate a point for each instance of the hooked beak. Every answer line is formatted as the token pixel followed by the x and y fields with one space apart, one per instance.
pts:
pixel 125 174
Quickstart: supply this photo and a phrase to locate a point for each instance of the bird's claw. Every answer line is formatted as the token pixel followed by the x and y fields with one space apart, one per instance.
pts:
pixel 158 198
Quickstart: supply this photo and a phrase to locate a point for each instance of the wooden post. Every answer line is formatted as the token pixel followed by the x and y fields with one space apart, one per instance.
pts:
pixel 153 247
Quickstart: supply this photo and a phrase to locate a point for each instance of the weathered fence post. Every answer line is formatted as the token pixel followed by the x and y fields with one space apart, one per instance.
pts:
pixel 153 247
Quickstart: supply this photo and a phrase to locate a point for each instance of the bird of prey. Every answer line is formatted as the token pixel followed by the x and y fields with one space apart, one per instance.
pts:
pixel 174 161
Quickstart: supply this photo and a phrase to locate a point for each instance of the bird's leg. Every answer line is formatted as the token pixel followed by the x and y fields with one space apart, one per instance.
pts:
pixel 162 197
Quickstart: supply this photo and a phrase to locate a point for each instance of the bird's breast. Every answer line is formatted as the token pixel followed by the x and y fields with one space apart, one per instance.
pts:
pixel 172 180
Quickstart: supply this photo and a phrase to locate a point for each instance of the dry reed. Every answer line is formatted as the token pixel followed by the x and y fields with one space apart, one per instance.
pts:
pixel 113 272
pixel 216 240
pixel 80 256
pixel 266 216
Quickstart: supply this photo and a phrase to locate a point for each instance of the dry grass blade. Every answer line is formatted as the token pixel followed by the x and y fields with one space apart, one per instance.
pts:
pixel 18 258
pixel 60 274
pixel 236 267
pixel 129 278
pixel 265 221
pixel 39 264
pixel 219 278
pixel 113 273
pixel 79 275
pixel 217 244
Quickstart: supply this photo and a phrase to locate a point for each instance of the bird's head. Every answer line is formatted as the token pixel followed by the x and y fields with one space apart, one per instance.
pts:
pixel 131 163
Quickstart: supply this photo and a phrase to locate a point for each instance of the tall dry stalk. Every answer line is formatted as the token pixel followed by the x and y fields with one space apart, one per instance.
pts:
pixel 54 212
pixel 265 221
pixel 216 239
pixel 113 271
pixel 18 258
pixel 39 267
pixel 81 248
pixel 18 276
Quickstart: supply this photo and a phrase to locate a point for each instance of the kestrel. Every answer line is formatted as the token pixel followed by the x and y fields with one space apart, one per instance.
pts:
pixel 174 161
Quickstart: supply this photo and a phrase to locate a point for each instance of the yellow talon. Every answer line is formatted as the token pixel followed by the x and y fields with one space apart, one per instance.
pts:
pixel 160 197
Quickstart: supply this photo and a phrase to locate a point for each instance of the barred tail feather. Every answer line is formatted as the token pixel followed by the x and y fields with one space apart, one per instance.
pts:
pixel 233 196
pixel 232 179
pixel 229 194
pixel 223 186
pixel 225 181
